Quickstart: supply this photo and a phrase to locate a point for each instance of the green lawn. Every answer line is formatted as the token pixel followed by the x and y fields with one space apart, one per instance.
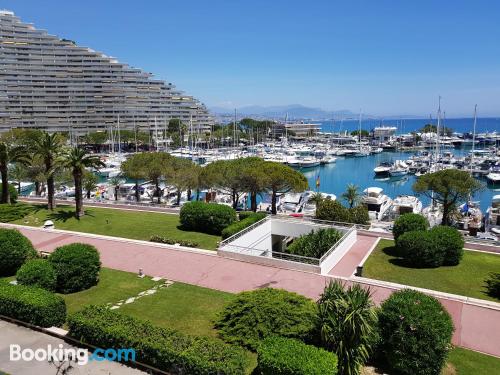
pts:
pixel 187 308
pixel 468 362
pixel 118 223
pixel 113 286
pixel 466 279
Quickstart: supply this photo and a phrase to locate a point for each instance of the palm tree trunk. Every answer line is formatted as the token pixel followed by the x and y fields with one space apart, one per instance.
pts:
pixel 19 187
pixel 157 184
pixel 5 184
pixel 50 193
pixel 116 193
pixel 77 176
pixel 137 195
pixel 273 203
pixel 197 194
pixel 189 194
pixel 88 194
pixel 178 197
pixel 37 188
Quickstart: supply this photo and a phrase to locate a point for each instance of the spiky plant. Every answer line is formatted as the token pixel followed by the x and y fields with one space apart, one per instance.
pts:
pixel 347 322
pixel 352 195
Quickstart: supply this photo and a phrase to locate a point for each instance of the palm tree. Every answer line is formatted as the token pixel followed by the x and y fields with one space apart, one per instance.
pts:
pixel 78 160
pixel 48 147
pixel 18 172
pixel 352 195
pixel 9 154
pixel 89 182
pixel 347 321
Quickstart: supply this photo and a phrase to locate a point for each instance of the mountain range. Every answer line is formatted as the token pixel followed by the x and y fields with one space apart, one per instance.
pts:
pixel 293 111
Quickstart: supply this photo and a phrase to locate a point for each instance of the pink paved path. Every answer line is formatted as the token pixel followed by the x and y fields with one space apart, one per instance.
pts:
pixel 347 265
pixel 476 326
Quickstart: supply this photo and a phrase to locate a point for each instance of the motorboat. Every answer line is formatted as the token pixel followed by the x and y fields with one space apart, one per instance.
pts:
pixel 382 169
pixel 404 204
pixel 290 202
pixel 376 202
pixel 328 160
pixel 494 175
pixel 400 168
pixel 493 215
pixel 309 163
pixel 471 217
pixel 433 213
pixel 309 208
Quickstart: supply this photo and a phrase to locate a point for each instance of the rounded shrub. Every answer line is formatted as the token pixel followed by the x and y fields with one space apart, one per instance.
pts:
pixel 77 267
pixel 419 249
pixel 408 223
pixel 244 222
pixel 359 215
pixel 315 244
pixel 38 273
pixel 282 356
pixel 451 241
pixel 253 316
pixel 206 217
pixel 15 249
pixel 331 210
pixel 493 284
pixel 417 331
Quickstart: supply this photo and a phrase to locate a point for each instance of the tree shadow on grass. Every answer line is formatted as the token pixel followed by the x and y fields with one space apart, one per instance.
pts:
pixel 63 215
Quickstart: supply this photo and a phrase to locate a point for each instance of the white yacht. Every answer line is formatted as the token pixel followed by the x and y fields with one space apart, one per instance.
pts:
pixel 494 175
pixel 376 202
pixel 493 214
pixel 433 213
pixel 382 169
pixel 290 202
pixel 404 204
pixel 309 163
pixel 309 208
pixel 400 168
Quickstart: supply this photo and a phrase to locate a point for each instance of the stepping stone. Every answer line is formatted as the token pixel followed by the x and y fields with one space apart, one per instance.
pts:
pixel 130 300
pixel 141 293
pixel 13 282
pixel 156 278
pixel 114 307
pixel 150 291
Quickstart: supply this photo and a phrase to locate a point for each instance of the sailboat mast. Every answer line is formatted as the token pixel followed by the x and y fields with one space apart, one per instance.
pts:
pixel 473 138
pixel 438 129
pixel 359 130
pixel 119 138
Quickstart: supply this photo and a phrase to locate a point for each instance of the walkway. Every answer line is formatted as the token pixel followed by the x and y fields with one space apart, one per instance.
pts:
pixel 477 322
pixel 26 338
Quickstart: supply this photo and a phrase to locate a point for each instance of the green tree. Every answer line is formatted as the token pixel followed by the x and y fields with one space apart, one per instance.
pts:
pixel 89 182
pixel 174 125
pixel 448 187
pixel 226 176
pixel 253 178
pixel 156 166
pixel 115 182
pixel 18 172
pixel 78 160
pixel 352 195
pixel 9 153
pixel 347 323
pixel 49 147
pixel 133 168
pixel 183 175
pixel 281 179
pixel 364 133
pixel 443 130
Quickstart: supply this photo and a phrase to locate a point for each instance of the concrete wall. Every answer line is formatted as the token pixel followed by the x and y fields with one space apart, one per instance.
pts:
pixel 337 254
pixel 296 228
pixel 259 238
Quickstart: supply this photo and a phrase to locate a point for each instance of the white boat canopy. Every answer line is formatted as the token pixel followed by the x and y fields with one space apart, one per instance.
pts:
pixel 373 190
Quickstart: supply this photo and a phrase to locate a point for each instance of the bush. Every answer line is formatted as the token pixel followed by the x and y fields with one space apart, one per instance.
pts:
pixel 206 217
pixel 416 333
pixel 32 305
pixel 334 211
pixel 38 273
pixel 163 348
pixel 12 212
pixel 238 226
pixel 12 193
pixel 493 284
pixel 408 223
pixel 420 249
pixel 15 249
pixel 252 316
pixel 171 241
pixel 282 356
pixel 314 244
pixel 77 267
pixel 347 325
pixel 242 215
pixel 451 241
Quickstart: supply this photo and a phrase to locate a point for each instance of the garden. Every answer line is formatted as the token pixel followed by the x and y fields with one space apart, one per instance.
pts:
pixel 187 329
pixel 434 259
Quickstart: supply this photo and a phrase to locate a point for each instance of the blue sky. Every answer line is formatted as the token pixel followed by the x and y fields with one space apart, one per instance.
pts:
pixel 386 57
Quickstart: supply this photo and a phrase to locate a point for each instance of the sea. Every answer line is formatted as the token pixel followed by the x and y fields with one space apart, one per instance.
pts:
pixel 335 177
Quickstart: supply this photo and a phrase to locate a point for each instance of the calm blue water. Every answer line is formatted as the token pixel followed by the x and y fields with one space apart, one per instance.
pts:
pixel 459 125
pixel 359 170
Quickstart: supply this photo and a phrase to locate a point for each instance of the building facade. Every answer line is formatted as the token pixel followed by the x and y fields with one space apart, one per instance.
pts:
pixel 53 84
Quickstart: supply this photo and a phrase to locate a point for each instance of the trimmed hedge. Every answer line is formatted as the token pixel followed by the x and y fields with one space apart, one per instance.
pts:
pixel 38 273
pixel 314 244
pixel 32 305
pixel 420 249
pixel 253 316
pixel 170 241
pixel 204 217
pixel 493 284
pixel 451 241
pixel 162 348
pixel 77 267
pixel 15 249
pixel 282 356
pixel 244 222
pixel 408 223
pixel 416 333
pixel 12 212
pixel 334 211
pixel 12 193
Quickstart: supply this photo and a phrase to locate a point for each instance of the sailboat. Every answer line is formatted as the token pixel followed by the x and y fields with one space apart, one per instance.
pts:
pixel 361 152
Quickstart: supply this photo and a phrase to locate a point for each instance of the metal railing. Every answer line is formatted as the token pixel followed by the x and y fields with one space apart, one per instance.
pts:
pixel 244 231
pixel 336 244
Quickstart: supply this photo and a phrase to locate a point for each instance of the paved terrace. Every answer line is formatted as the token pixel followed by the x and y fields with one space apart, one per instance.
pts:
pixel 477 322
